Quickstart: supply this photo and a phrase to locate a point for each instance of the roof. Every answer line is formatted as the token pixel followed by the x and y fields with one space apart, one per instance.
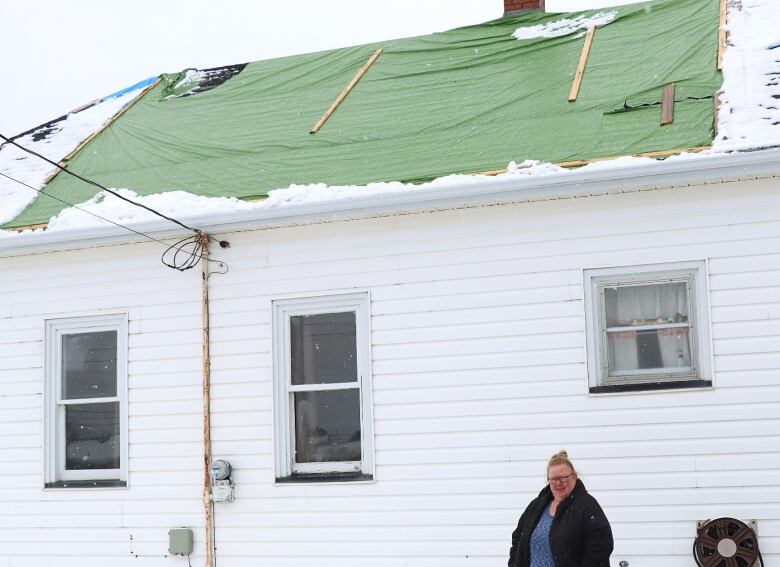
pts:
pixel 467 100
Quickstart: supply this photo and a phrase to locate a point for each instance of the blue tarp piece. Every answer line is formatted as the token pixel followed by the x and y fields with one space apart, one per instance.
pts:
pixel 131 88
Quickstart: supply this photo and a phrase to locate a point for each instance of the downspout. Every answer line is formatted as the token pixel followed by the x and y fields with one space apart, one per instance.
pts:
pixel 208 504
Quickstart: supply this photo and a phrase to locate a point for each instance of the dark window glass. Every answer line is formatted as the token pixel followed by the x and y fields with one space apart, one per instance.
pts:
pixel 662 349
pixel 327 426
pixel 92 436
pixel 323 348
pixel 89 365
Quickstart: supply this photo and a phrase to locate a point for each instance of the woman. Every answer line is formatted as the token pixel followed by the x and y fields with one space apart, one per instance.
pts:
pixel 562 527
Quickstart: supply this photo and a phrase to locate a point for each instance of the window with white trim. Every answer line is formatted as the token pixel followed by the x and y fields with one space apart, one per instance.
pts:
pixel 86 413
pixel 322 388
pixel 647 327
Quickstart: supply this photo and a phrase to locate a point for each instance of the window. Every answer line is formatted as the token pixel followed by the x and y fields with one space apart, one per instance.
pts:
pixel 322 389
pixel 647 327
pixel 86 415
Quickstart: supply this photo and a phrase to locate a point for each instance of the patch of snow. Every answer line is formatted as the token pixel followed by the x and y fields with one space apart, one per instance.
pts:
pixel 749 115
pixel 190 80
pixel 60 139
pixel 534 168
pixel 197 81
pixel 564 26
pixel 616 163
pixel 177 204
pixel 183 205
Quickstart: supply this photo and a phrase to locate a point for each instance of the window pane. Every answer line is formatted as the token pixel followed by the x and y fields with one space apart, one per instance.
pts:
pixel 323 348
pixel 89 365
pixel 327 426
pixel 646 304
pixel 665 349
pixel 92 436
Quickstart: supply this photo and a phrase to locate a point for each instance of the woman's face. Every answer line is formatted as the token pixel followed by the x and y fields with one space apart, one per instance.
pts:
pixel 562 480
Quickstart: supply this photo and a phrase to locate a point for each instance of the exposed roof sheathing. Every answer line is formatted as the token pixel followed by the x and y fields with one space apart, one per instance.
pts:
pixel 467 100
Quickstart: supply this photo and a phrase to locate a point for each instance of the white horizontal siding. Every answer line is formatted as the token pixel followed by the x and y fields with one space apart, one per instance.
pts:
pixel 479 374
pixel 83 527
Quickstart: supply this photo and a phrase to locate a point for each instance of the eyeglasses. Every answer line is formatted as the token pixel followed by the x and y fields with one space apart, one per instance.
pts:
pixel 561 479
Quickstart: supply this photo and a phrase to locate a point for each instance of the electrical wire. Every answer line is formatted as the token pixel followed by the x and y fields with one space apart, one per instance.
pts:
pixel 95 183
pixel 185 253
pixel 181 260
pixel 214 530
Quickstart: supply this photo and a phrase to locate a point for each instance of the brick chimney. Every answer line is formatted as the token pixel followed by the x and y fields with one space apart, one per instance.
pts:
pixel 512 6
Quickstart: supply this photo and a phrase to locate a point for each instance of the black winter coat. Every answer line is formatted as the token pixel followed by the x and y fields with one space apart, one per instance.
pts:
pixel 580 535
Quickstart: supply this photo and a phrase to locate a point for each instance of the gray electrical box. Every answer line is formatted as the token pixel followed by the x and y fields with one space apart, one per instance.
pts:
pixel 180 541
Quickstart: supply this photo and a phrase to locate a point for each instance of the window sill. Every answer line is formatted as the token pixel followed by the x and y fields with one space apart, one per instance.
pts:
pixel 325 478
pixel 651 386
pixel 69 484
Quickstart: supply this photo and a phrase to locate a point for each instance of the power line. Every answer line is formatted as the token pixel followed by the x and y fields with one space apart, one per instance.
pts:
pixel 96 184
pixel 191 255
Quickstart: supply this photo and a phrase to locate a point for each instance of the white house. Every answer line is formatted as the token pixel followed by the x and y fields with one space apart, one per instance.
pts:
pixel 388 373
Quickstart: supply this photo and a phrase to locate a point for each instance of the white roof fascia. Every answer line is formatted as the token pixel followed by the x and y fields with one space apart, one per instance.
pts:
pixel 699 170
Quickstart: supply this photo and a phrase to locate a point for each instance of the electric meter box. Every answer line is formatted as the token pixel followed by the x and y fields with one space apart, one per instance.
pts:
pixel 180 541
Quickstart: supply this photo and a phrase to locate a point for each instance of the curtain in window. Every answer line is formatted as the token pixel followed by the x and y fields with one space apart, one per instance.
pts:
pixel 645 305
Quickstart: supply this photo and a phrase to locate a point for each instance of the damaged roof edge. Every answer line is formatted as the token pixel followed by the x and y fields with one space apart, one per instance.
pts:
pixel 196 81
pixel 583 182
pixel 81 145
pixel 141 86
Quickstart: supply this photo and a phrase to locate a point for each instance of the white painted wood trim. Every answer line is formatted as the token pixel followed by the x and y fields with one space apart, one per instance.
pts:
pixel 639 274
pixel 283 414
pixel 54 446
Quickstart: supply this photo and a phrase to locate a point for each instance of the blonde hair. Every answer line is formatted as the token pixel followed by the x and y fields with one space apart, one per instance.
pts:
pixel 560 458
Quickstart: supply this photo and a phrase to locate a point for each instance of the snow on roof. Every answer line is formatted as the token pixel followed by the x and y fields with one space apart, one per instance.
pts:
pixel 194 81
pixel 54 140
pixel 749 115
pixel 748 119
pixel 181 204
pixel 564 26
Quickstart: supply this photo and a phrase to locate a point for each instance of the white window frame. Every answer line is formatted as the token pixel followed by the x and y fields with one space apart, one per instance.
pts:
pixel 54 443
pixel 284 417
pixel 694 274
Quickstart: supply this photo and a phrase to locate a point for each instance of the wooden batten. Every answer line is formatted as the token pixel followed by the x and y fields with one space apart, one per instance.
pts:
pixel 722 33
pixel 653 154
pixel 581 162
pixel 346 91
pixel 667 105
pixel 575 88
pixel 40 226
pixel 716 111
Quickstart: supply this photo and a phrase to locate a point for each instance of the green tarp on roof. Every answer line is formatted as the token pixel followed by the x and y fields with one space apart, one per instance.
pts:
pixel 467 100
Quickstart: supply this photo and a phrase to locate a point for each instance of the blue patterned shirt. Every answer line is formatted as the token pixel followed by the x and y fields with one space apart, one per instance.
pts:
pixel 541 554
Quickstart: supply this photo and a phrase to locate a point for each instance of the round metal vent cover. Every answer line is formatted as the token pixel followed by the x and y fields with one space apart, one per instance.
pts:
pixel 725 542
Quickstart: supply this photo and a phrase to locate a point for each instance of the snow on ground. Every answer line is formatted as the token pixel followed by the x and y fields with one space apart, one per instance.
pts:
pixel 54 141
pixel 564 26
pixel 749 119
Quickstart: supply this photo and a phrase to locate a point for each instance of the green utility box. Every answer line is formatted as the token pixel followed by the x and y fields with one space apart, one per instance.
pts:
pixel 180 541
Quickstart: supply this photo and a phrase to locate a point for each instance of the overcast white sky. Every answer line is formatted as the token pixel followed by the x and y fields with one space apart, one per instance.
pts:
pixel 58 55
